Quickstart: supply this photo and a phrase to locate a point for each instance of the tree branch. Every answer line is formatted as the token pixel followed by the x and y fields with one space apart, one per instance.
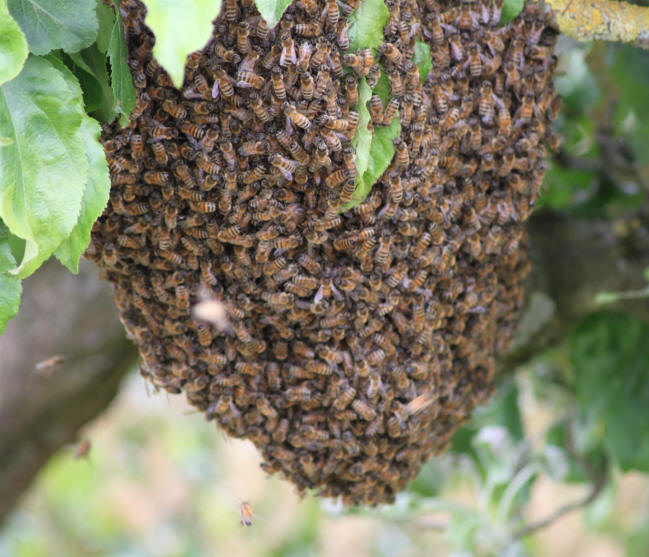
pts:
pixel 603 20
pixel 61 314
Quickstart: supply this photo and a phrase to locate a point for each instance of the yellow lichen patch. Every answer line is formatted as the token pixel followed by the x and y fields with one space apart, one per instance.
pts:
pixel 603 20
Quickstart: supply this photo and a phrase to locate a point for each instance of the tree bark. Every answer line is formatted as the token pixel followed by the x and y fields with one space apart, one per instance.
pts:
pixel 573 260
pixel 40 411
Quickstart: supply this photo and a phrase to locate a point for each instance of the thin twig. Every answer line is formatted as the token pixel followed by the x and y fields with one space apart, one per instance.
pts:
pixel 579 503
pixel 598 480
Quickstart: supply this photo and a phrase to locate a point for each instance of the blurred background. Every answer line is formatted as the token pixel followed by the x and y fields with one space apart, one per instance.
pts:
pixel 556 465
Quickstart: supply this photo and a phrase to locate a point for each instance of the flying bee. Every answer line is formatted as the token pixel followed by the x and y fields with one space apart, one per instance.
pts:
pixel 82 449
pixel 47 366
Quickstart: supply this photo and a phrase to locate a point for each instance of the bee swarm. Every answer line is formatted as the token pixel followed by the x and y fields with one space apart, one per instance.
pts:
pixel 338 321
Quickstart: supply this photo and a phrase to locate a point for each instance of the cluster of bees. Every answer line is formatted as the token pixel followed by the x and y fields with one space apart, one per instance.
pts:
pixel 353 343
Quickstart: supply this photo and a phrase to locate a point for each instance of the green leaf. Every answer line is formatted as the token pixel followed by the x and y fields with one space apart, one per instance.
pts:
pixel 511 9
pixel 94 201
pixel 92 90
pixel 48 25
pixel 13 45
pixel 382 88
pixel 182 27
pixel 121 79
pixel 422 59
pixel 45 170
pixel 362 140
pixel 272 10
pixel 610 354
pixel 10 286
pixel 366 25
pixel 96 61
pixel 106 18
pixel 382 151
pixel 96 190
pixel 370 162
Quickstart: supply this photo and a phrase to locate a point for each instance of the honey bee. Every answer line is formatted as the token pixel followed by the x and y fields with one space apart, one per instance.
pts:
pixel 307 29
pixel 306 85
pixel 298 394
pixel 525 110
pixel 320 53
pixel 390 111
pixel 288 51
pixel 351 90
pixel 191 129
pixel 363 410
pixel 397 87
pixel 224 85
pixel 229 56
pixel 486 104
pixel 456 48
pixel 474 61
pixel 295 116
pixel 249 79
pixel 82 450
pixel 156 178
pixel 160 153
pixel 515 53
pixel 48 365
pixel 175 110
pixel 376 110
pixel 391 53
pixel 402 156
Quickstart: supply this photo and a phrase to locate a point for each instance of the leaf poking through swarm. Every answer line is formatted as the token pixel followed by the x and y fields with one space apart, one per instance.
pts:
pixel 180 28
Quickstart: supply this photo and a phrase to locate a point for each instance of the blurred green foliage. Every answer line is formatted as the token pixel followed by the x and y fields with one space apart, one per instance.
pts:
pixel 603 163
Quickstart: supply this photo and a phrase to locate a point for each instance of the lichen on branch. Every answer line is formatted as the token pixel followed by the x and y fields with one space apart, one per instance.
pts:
pixel 603 20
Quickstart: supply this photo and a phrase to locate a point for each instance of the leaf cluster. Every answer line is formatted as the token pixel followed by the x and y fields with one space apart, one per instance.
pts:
pixel 55 83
